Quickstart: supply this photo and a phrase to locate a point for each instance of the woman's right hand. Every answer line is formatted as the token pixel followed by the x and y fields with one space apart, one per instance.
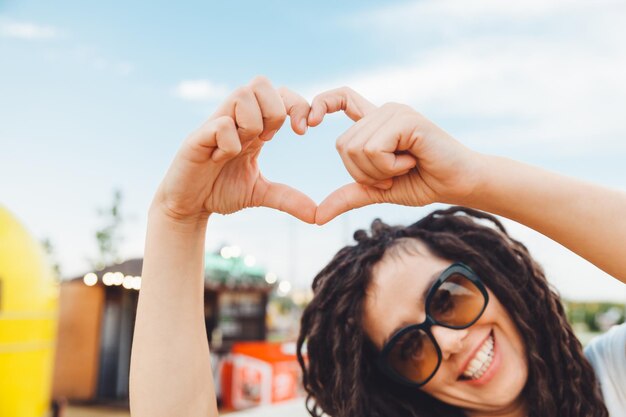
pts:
pixel 216 169
pixel 395 155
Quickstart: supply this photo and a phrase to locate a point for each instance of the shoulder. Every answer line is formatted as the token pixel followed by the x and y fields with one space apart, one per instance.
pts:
pixel 607 355
pixel 608 346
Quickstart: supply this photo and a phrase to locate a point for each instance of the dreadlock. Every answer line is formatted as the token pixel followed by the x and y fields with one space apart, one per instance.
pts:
pixel 339 371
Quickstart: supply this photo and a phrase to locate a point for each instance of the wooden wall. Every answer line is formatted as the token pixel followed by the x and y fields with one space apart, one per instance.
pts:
pixel 78 341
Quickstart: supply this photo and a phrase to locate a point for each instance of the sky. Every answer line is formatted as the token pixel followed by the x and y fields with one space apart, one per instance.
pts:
pixel 98 96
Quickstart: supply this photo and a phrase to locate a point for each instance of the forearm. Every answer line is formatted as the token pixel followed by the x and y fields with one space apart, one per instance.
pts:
pixel 588 219
pixel 170 366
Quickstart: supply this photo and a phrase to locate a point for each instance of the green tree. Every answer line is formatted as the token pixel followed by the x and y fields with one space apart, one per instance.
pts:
pixel 48 248
pixel 109 235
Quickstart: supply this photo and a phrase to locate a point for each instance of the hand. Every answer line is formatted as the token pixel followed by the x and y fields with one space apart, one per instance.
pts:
pixel 395 155
pixel 216 169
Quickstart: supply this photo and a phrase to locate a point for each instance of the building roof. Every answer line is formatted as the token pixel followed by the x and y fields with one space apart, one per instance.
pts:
pixel 219 272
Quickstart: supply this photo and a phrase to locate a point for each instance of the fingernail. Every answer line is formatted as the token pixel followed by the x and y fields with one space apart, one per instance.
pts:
pixel 303 125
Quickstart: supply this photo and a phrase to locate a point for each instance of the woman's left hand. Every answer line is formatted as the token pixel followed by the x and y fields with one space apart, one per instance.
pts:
pixel 395 155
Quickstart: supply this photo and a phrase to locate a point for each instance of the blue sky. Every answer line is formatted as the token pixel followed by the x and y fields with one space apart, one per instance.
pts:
pixel 95 96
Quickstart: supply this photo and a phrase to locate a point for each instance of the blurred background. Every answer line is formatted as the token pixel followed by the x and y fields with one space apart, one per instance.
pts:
pixel 95 99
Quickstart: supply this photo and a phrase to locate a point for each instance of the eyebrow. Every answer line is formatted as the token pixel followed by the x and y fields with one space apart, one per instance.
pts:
pixel 431 281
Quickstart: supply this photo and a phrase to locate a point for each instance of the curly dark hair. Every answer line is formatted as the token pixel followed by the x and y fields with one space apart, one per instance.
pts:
pixel 340 374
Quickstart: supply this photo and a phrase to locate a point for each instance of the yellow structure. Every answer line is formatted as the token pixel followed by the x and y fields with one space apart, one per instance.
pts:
pixel 28 320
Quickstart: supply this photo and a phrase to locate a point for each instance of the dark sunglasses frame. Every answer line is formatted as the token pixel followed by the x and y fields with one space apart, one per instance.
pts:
pixel 383 362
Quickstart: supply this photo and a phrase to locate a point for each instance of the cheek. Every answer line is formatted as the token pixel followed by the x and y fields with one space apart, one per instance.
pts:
pixel 510 341
pixel 497 316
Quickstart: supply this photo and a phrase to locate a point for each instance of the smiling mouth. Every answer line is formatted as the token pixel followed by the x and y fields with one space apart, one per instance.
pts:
pixel 481 361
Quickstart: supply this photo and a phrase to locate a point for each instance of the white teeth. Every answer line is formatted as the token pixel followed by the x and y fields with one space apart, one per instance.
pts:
pixel 481 361
pixel 475 364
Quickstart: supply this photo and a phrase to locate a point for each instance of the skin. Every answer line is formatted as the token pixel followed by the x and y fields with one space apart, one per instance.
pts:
pixel 448 172
pixel 215 171
pixel 394 154
pixel 394 299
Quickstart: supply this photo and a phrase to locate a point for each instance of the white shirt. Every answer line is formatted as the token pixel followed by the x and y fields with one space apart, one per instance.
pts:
pixel 607 354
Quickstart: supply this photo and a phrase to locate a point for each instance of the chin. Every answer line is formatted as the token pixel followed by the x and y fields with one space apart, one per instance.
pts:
pixel 495 386
pixel 495 397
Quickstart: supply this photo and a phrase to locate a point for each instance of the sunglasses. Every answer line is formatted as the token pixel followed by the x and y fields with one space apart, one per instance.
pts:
pixel 456 300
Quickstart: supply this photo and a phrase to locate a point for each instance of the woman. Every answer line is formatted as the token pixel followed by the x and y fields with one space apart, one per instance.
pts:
pixel 501 346
pixel 494 342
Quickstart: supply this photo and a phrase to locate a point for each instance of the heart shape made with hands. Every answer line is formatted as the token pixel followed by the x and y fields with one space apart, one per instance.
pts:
pixel 379 151
pixel 373 165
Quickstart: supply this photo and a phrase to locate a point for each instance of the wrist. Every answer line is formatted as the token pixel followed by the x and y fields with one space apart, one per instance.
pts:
pixel 477 177
pixel 159 212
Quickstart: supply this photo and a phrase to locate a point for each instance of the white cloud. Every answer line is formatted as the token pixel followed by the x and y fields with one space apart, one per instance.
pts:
pixel 527 65
pixel 80 53
pixel 89 56
pixel 28 31
pixel 461 13
pixel 200 90
pixel 545 75
pixel 121 68
pixel 124 68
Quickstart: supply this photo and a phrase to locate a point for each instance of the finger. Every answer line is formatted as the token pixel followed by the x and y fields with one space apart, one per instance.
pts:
pixel 392 164
pixel 271 104
pixel 226 139
pixel 285 198
pixel 248 117
pixel 383 152
pixel 346 198
pixel 373 148
pixel 345 99
pixel 356 149
pixel 350 147
pixel 216 140
pixel 366 175
pixel 355 170
pixel 297 108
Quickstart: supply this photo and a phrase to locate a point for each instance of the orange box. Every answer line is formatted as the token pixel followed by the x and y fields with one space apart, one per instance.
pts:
pixel 259 373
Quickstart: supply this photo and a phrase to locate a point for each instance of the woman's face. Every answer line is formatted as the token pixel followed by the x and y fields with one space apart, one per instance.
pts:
pixel 394 299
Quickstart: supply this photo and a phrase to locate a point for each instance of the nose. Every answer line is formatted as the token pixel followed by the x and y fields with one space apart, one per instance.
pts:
pixel 450 341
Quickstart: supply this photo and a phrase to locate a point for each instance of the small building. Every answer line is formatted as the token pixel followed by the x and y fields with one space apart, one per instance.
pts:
pixel 97 318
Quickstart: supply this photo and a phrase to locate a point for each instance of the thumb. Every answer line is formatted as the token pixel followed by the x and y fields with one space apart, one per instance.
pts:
pixel 285 198
pixel 346 198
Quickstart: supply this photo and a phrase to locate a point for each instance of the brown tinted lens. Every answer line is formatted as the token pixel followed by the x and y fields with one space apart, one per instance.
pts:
pixel 457 301
pixel 414 356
